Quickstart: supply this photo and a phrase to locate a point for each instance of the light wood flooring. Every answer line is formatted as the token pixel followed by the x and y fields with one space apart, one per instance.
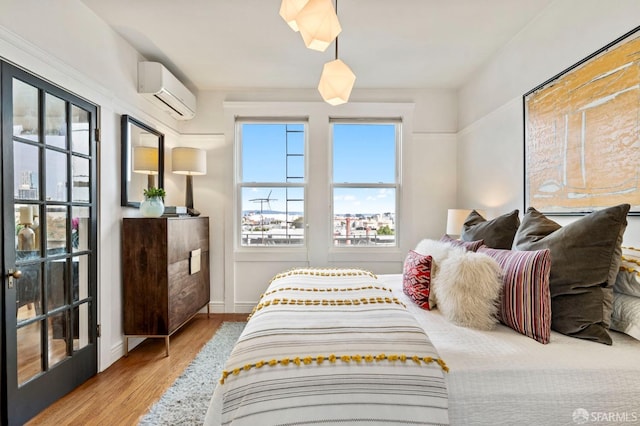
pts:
pixel 125 391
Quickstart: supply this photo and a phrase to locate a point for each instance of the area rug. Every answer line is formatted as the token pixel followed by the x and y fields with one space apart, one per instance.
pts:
pixel 187 400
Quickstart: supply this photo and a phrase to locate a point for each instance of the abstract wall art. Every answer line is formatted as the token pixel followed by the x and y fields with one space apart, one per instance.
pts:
pixel 582 133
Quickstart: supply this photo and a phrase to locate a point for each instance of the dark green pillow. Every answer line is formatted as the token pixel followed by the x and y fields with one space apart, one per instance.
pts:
pixel 585 258
pixel 497 233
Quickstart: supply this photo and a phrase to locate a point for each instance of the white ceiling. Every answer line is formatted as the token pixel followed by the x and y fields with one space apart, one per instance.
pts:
pixel 231 44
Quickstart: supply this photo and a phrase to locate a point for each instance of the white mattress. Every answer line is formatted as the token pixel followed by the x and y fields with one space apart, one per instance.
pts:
pixel 500 377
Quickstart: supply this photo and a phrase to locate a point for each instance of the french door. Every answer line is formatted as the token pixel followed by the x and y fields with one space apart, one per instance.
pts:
pixel 49 211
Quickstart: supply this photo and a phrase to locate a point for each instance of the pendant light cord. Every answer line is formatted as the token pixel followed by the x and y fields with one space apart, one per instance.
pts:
pixel 336 36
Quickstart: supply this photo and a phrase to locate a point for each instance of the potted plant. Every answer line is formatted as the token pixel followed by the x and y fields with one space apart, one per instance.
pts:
pixel 153 204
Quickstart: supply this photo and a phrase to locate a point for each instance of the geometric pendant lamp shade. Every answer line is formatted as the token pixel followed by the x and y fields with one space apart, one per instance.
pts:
pixel 336 82
pixel 318 24
pixel 289 10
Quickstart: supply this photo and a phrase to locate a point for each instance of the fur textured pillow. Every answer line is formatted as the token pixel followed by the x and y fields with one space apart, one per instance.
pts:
pixel 468 289
pixel 438 251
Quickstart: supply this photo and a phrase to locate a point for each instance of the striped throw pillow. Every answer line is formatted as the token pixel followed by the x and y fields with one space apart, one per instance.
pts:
pixel 526 299
pixel 416 278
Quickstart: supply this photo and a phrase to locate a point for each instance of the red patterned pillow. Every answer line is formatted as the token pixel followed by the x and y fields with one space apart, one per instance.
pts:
pixel 526 299
pixel 416 278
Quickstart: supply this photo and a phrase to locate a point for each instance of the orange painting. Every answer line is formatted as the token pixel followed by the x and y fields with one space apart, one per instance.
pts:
pixel 582 130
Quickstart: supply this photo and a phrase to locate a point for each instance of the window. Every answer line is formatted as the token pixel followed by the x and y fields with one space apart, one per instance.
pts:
pixel 365 183
pixel 272 183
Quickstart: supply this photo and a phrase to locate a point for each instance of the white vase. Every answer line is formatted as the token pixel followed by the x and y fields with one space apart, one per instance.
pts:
pixel 152 207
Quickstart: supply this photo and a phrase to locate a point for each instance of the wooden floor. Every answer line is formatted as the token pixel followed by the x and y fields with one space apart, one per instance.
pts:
pixel 124 392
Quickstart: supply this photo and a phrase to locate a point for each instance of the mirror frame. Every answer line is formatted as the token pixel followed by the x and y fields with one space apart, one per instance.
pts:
pixel 127 155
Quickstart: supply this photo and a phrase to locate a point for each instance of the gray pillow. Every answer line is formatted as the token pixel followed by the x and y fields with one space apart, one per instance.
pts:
pixel 585 259
pixel 497 233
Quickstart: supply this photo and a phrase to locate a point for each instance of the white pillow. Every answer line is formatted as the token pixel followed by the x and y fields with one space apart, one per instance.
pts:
pixel 468 289
pixel 625 317
pixel 439 251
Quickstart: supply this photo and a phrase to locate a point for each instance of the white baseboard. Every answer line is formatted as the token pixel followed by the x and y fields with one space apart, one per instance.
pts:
pixel 244 307
pixel 238 308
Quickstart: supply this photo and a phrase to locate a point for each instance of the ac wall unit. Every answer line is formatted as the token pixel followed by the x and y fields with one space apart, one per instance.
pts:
pixel 165 90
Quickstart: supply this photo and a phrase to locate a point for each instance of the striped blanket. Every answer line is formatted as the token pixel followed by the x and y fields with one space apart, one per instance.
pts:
pixel 331 346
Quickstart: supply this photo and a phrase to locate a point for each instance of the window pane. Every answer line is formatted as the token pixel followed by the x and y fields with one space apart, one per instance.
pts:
pixel 57 339
pixel 272 216
pixel 80 228
pixel 27 231
pixel 56 230
pixel 79 130
pixel 29 292
pixel 25 166
pixel 81 335
pixel 80 280
pixel 364 153
pixel 29 351
pixel 56 176
pixel 364 216
pixel 80 174
pixel 57 284
pixel 266 150
pixel 25 110
pixel 56 123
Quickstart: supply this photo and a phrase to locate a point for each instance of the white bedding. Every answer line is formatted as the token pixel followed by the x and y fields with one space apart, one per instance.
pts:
pixel 500 377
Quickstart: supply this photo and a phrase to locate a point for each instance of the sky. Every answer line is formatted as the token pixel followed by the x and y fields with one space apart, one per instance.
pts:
pixel 362 153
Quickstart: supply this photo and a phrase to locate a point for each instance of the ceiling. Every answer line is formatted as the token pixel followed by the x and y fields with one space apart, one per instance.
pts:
pixel 245 44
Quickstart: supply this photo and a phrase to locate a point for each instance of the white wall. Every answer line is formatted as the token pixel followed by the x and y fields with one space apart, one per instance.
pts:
pixel 65 43
pixel 490 140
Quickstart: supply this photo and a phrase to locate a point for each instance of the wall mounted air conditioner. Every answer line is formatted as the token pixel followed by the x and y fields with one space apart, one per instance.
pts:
pixel 165 90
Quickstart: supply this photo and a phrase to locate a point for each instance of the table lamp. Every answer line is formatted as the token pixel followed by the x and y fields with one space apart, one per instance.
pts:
pixel 190 162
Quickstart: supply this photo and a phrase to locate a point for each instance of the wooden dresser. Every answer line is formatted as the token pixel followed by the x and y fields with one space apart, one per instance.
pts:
pixel 165 274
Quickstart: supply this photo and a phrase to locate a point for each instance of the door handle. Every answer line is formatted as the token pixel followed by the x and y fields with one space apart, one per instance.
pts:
pixel 13 275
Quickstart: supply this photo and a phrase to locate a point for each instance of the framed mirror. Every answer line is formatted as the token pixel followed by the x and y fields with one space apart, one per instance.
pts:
pixel 142 160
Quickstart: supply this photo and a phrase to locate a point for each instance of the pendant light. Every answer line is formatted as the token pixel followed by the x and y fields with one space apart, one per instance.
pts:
pixel 337 79
pixel 289 10
pixel 318 24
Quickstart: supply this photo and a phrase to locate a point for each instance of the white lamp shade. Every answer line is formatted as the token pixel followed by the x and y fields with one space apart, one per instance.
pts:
pixel 455 220
pixel 336 82
pixel 318 24
pixel 289 10
pixel 145 160
pixel 189 161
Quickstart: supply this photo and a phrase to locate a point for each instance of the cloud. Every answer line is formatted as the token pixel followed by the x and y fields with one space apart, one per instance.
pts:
pixel 383 193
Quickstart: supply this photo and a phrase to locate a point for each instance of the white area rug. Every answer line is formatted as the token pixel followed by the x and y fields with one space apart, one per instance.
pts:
pixel 187 400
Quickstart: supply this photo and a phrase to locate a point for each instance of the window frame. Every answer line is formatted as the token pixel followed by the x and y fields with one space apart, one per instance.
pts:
pixel 397 185
pixel 240 184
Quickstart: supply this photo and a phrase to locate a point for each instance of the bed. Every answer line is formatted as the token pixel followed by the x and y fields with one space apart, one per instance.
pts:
pixel 462 336
pixel 331 346
pixel 496 377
